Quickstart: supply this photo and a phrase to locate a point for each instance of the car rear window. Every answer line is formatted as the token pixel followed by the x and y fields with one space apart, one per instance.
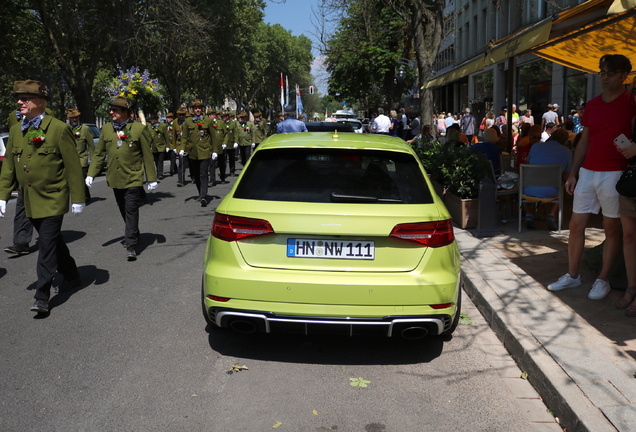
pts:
pixel 334 175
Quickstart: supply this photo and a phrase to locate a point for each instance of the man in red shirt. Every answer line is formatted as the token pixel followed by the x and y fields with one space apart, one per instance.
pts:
pixel 596 167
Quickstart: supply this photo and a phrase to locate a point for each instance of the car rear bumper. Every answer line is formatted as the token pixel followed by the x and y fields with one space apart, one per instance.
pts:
pixel 408 327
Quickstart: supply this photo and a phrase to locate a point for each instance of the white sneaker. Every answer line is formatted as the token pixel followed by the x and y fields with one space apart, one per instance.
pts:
pixel 599 290
pixel 566 281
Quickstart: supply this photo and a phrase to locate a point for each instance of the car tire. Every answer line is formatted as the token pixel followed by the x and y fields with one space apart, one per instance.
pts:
pixel 455 322
pixel 203 309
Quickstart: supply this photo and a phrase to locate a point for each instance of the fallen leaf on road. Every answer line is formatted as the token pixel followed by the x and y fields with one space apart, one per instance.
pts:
pixel 277 425
pixel 314 412
pixel 236 368
pixel 358 382
pixel 464 319
pixel 524 375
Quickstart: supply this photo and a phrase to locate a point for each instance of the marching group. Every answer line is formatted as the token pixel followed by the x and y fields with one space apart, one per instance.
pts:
pixel 52 165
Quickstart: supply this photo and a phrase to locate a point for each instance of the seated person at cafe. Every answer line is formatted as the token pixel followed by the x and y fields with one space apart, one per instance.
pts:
pixel 489 148
pixel 455 136
pixel 552 151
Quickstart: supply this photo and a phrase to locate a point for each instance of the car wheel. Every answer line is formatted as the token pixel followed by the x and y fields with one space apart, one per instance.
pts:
pixel 455 322
pixel 203 309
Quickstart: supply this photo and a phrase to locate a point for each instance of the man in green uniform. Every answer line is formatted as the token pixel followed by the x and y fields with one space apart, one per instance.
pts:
pixel 43 162
pixel 245 137
pixel 127 145
pixel 84 143
pixel 218 154
pixel 170 154
pixel 260 129
pixel 231 140
pixel 161 144
pixel 197 138
pixel 178 145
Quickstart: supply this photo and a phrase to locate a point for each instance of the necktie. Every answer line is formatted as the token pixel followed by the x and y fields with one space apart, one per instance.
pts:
pixel 35 122
pixel 119 126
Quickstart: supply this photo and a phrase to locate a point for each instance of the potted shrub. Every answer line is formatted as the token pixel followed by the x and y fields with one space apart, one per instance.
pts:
pixel 460 171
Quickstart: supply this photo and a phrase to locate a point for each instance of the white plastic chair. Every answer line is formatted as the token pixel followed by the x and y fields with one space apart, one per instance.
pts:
pixel 540 176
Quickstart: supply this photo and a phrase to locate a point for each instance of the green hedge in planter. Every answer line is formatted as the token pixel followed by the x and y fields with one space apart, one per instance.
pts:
pixel 456 167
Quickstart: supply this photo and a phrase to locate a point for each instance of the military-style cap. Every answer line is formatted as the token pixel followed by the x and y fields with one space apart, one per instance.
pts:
pixel 31 87
pixel 225 113
pixel 242 114
pixel 258 114
pixel 210 112
pixel 72 112
pixel 218 112
pixel 169 115
pixel 181 110
pixel 122 102
pixel 197 102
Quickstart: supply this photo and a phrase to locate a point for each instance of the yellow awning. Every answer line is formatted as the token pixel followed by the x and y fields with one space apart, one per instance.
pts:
pixel 579 39
pixel 457 73
pixel 520 42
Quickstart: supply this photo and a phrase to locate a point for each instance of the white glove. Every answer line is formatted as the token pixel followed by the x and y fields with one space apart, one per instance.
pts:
pixel 89 181
pixel 152 186
pixel 235 145
pixel 214 156
pixel 224 146
pixel 253 145
pixel 174 150
pixel 182 153
pixel 3 207
pixel 77 208
pixel 167 150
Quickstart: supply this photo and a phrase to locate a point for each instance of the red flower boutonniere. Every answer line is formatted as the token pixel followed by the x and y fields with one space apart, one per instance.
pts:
pixel 36 136
pixel 246 129
pixel 200 125
pixel 121 135
pixel 214 126
pixel 76 134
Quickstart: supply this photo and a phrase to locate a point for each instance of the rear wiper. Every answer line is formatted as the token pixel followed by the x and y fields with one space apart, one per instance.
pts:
pixel 335 197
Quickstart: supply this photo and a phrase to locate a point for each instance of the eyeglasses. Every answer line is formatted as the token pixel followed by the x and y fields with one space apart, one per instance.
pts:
pixel 24 98
pixel 609 74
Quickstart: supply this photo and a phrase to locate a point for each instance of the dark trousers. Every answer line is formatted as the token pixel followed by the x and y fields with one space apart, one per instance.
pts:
pixel 184 164
pixel 129 201
pixel 159 156
pixel 245 153
pixel 53 255
pixel 230 154
pixel 219 163
pixel 199 171
pixel 173 162
pixel 22 226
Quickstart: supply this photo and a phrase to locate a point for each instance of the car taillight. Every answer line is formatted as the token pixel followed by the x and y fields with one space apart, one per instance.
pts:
pixel 432 234
pixel 233 228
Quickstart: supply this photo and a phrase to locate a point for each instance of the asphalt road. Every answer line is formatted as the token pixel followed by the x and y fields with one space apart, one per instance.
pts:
pixel 130 351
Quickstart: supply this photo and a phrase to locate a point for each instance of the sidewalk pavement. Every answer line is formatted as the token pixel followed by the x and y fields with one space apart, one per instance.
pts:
pixel 579 354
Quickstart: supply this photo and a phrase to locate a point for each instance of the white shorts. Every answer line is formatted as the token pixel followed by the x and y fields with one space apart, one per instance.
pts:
pixel 596 190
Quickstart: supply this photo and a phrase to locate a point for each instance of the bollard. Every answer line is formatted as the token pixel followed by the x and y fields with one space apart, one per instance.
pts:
pixel 487 221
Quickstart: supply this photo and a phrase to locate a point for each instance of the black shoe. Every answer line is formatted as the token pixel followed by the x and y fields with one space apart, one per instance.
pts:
pixel 131 255
pixel 530 222
pixel 18 249
pixel 123 243
pixel 69 285
pixel 179 184
pixel 160 177
pixel 552 225
pixel 210 184
pixel 204 202
pixel 40 306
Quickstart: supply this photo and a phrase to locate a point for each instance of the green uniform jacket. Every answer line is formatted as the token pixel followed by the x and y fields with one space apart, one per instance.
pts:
pixel 46 173
pixel 177 139
pixel 171 133
pixel 231 133
pixel 218 136
pixel 197 139
pixel 260 130
pixel 245 134
pixel 126 162
pixel 84 143
pixel 160 136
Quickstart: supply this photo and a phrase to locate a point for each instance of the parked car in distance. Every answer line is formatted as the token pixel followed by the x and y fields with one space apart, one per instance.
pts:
pixel 356 124
pixel 323 126
pixel 333 233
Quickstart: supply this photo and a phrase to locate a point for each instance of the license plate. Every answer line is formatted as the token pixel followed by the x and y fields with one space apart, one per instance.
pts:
pixel 337 249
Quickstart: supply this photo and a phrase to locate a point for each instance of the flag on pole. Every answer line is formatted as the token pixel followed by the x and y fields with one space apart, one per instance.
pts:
pixel 299 102
pixel 287 92
pixel 282 93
